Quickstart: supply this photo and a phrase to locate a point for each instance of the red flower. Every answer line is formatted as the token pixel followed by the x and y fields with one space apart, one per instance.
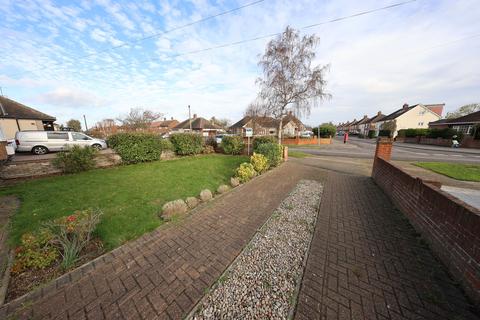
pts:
pixel 71 218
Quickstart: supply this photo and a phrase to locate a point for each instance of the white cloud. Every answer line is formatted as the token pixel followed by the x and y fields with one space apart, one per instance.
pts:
pixel 68 97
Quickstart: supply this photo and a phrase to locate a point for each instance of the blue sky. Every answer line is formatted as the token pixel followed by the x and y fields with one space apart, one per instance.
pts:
pixel 56 56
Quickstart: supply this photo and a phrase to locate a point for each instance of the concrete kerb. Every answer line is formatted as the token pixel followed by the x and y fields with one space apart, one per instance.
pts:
pixel 91 265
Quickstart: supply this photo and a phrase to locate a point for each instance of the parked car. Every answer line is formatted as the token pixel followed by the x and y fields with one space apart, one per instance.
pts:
pixel 306 134
pixel 42 142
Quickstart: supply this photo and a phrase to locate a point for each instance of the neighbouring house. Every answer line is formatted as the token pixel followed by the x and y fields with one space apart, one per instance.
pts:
pixel 164 127
pixel 15 117
pixel 360 125
pixel 371 124
pixel 268 126
pixel 198 125
pixel 467 124
pixel 416 116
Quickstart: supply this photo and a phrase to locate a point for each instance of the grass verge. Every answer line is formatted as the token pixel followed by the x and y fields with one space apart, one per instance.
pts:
pixel 130 196
pixel 458 171
pixel 297 154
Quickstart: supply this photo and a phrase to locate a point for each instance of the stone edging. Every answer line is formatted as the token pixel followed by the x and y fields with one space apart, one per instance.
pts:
pixel 107 257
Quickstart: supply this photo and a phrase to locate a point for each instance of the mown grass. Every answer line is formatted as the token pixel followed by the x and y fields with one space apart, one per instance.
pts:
pixel 466 172
pixel 130 196
pixel 297 154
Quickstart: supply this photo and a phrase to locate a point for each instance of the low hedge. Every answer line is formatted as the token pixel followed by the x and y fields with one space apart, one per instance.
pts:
pixel 411 133
pixel 232 144
pixel 263 139
pixel 75 159
pixel 187 143
pixel 138 147
pixel 372 134
pixel 272 151
pixel 446 133
pixel 385 133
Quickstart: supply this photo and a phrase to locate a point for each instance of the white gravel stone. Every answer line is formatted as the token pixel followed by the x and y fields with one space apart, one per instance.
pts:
pixel 261 283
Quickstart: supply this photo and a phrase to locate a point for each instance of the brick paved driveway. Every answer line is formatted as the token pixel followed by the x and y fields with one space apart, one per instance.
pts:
pixel 164 274
pixel 367 262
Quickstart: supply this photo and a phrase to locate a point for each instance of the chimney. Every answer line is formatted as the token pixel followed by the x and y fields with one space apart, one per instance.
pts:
pixel 365 116
pixel 379 113
pixel 194 116
pixel 290 112
pixel 405 106
pixel 164 119
pixel 171 118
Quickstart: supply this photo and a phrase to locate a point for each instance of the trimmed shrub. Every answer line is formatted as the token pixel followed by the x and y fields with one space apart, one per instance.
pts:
pixel 446 133
pixel 138 147
pixel 371 134
pixel 172 208
pixel 187 143
pixel 76 159
pixel 245 172
pixel 327 130
pixel 272 151
pixel 211 141
pixel 208 150
pixel 385 133
pixel 232 144
pixel 259 162
pixel 206 195
pixel 263 139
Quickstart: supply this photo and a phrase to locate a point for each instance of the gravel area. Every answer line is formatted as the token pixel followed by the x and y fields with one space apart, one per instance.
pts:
pixel 262 282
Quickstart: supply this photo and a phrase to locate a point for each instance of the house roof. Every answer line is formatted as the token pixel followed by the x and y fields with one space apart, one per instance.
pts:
pixel 266 122
pixel 164 124
pixel 365 119
pixel 468 119
pixel 399 112
pixel 378 117
pixel 15 110
pixel 436 108
pixel 198 123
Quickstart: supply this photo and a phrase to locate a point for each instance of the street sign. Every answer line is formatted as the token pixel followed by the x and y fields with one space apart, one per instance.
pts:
pixel 248 132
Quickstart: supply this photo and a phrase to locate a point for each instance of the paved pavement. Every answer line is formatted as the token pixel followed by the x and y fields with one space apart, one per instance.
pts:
pixel 367 262
pixel 469 196
pixel 362 148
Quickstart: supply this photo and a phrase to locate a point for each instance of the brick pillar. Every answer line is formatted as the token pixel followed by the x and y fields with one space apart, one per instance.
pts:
pixel 285 153
pixel 384 148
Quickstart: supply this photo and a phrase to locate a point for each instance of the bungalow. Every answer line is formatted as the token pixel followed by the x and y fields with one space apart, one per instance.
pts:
pixel 198 125
pixel 466 124
pixel 165 126
pixel 416 116
pixel 268 126
pixel 15 116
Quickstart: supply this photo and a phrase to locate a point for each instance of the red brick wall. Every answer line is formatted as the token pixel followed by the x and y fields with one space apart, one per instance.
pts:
pixel 384 148
pixel 451 227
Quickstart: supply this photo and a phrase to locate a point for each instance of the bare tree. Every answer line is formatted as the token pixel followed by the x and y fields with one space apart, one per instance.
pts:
pixel 289 81
pixel 139 118
pixel 464 110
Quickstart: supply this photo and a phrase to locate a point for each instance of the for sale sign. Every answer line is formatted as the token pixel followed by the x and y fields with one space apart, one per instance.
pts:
pixel 248 132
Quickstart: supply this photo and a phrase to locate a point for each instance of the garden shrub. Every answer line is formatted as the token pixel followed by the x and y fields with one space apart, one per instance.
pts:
pixel 73 233
pixel 446 133
pixel 208 149
pixel 327 130
pixel 211 141
pixel 75 159
pixel 36 251
pixel 385 133
pixel 187 143
pixel 272 151
pixel 371 134
pixel 245 172
pixel 232 144
pixel 259 162
pixel 135 147
pixel 263 139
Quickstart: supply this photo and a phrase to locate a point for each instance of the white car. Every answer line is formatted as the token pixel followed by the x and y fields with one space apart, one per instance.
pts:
pixel 42 142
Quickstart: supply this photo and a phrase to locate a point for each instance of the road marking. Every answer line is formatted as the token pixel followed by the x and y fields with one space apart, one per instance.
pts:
pixel 457 155
pixel 421 153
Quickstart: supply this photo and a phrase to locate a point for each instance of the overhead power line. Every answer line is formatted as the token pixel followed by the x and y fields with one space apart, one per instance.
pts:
pixel 151 36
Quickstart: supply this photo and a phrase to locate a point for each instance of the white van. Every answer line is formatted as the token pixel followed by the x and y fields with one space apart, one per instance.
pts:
pixel 42 142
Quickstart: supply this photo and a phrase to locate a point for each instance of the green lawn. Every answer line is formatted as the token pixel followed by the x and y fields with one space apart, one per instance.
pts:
pixel 297 154
pixel 468 172
pixel 130 196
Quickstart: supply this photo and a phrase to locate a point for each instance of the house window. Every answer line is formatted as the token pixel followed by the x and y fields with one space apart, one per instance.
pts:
pixel 420 123
pixel 57 135
pixel 421 112
pixel 465 129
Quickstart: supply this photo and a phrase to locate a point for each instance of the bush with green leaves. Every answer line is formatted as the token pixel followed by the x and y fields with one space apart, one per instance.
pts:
pixel 187 143
pixel 412 132
pixel 272 151
pixel 372 134
pixel 263 139
pixel 36 251
pixel 446 133
pixel 259 162
pixel 135 147
pixel 245 172
pixel 75 159
pixel 232 144
pixel 73 233
pixel 385 133
pixel 327 130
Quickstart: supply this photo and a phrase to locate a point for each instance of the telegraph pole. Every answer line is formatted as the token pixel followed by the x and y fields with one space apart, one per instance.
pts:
pixel 189 118
pixel 85 120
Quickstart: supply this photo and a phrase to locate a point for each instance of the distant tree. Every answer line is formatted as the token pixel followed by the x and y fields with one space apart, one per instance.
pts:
pixel 464 110
pixel 327 129
pixel 76 125
pixel 289 81
pixel 139 118
pixel 390 126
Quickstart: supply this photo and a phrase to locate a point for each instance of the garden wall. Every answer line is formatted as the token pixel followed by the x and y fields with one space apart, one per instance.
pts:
pixel 467 142
pixel 450 226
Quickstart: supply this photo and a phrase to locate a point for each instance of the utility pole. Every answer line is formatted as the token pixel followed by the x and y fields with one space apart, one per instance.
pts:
pixel 85 120
pixel 189 118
